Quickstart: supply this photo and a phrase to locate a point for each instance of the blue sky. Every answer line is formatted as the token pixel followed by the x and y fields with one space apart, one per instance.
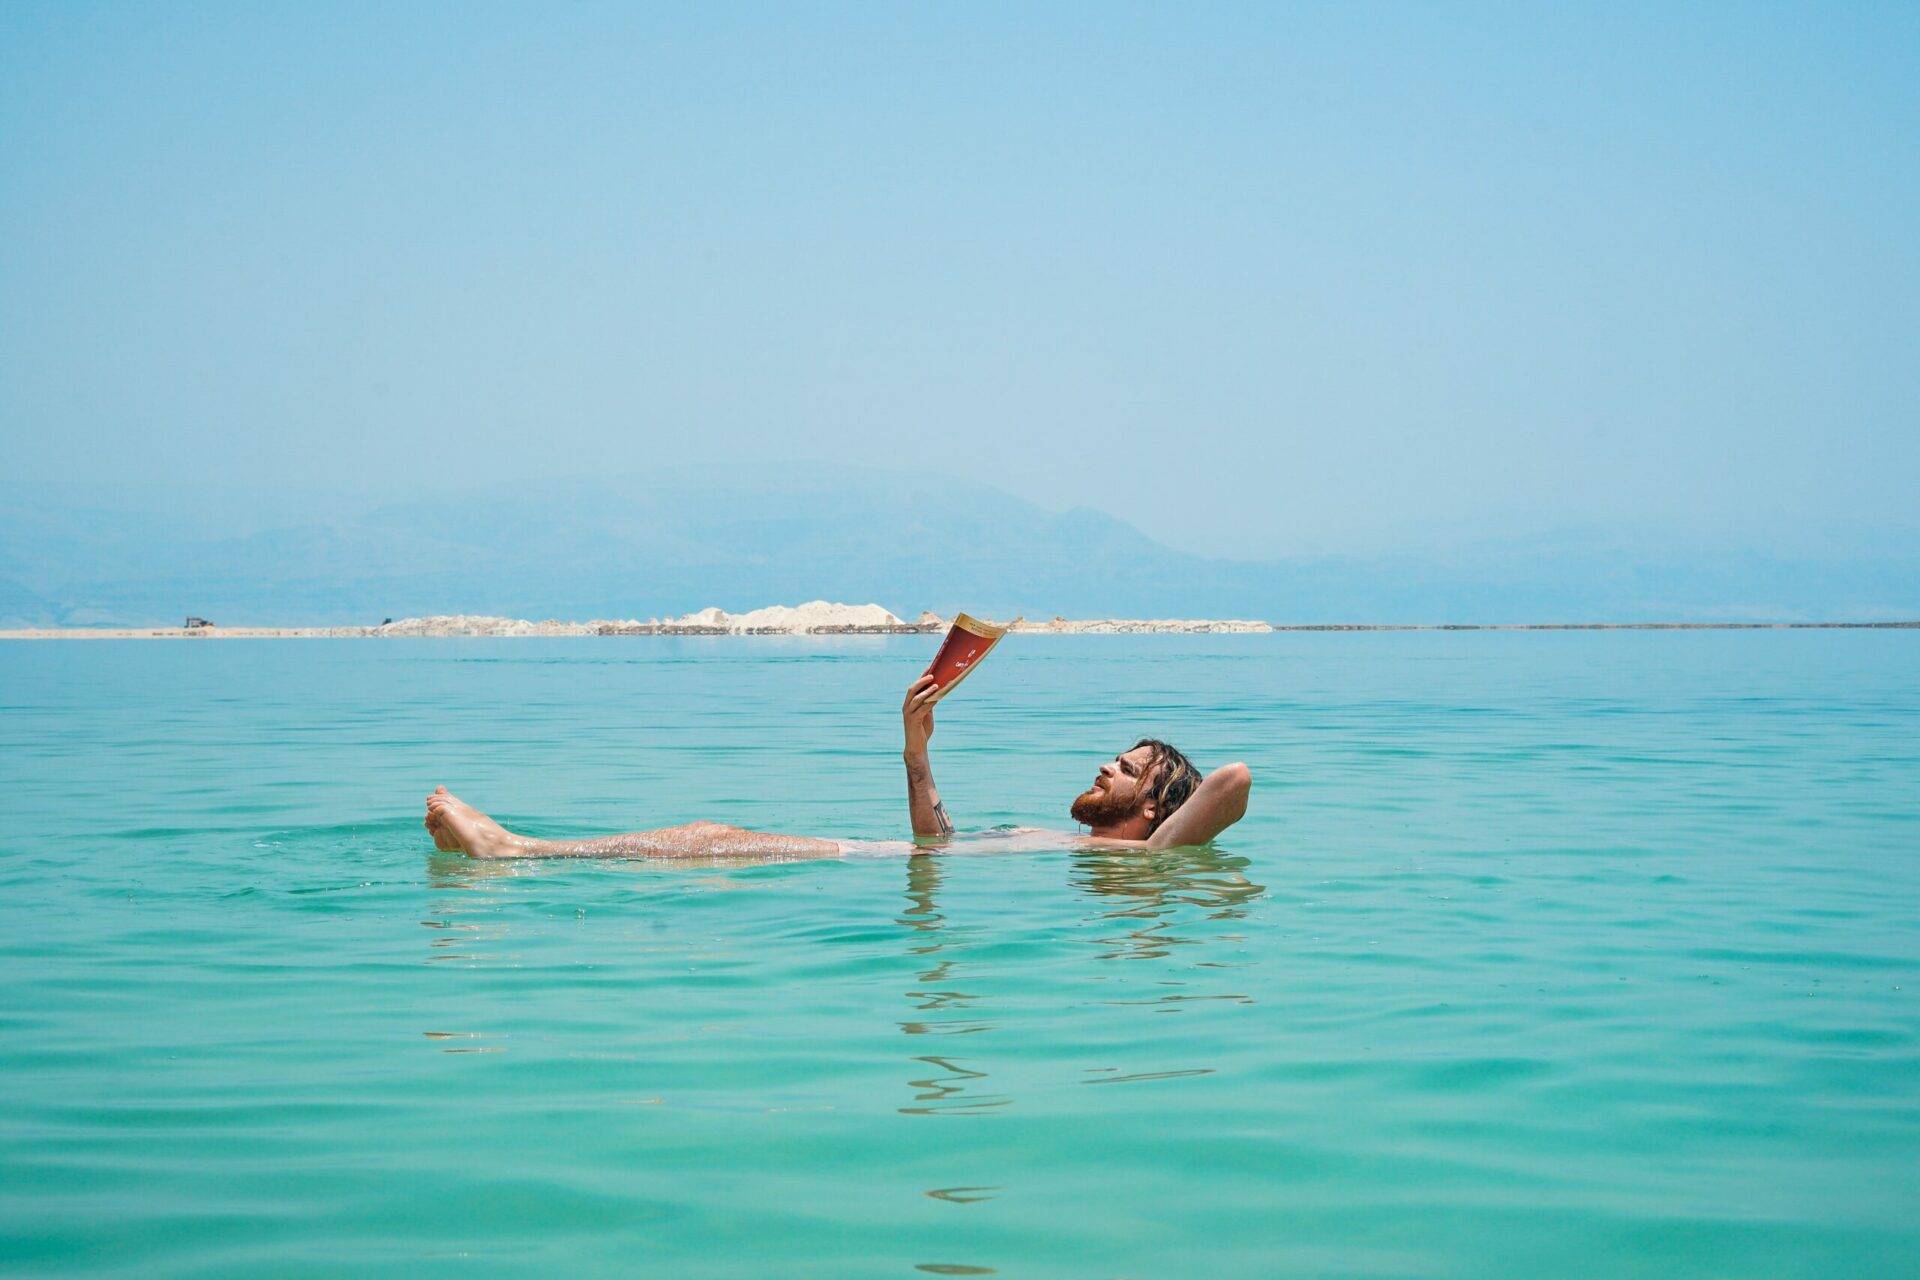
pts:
pixel 1262 279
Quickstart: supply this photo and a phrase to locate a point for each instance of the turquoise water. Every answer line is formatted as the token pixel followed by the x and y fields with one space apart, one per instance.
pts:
pixel 1537 955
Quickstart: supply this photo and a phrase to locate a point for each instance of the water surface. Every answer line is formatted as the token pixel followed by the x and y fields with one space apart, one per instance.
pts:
pixel 1543 954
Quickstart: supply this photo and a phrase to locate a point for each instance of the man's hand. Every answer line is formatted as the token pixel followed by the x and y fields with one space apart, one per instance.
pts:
pixel 916 714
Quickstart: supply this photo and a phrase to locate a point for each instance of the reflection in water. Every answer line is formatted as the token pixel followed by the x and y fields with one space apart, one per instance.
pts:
pixel 963 1195
pixel 458 871
pixel 461 1035
pixel 923 882
pixel 1201 876
pixel 1165 899
pixel 935 992
pixel 461 928
pixel 949 1089
pixel 946 1092
pixel 456 933
pixel 1105 1075
pixel 1155 888
pixel 1169 903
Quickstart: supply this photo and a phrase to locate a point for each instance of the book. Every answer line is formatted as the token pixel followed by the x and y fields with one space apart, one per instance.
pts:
pixel 968 642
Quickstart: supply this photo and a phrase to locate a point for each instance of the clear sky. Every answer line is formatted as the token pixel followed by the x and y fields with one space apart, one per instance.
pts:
pixel 1263 279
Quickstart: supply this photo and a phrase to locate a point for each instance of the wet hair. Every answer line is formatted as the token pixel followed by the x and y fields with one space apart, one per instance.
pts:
pixel 1174 779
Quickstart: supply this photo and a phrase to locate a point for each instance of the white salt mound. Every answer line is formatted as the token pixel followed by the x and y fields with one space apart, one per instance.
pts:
pixel 469 624
pixel 815 615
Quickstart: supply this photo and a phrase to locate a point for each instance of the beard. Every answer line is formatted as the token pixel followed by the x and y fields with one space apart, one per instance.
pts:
pixel 1096 808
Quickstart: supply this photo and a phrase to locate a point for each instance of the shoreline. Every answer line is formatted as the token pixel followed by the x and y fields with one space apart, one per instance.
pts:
pixel 497 629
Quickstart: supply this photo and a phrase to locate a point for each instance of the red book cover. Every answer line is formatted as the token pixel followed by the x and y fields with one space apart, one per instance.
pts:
pixel 967 643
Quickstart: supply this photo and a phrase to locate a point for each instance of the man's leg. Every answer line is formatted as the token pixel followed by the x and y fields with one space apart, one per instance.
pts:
pixel 455 824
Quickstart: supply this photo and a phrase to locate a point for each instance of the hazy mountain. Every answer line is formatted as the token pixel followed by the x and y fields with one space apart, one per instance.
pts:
pixel 670 543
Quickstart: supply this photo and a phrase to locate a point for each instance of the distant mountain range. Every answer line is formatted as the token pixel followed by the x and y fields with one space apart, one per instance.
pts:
pixel 626 547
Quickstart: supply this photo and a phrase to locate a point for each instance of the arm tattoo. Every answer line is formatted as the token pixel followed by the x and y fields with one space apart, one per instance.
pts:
pixel 925 801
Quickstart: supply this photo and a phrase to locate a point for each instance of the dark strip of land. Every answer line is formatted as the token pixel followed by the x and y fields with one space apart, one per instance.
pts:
pixel 1595 626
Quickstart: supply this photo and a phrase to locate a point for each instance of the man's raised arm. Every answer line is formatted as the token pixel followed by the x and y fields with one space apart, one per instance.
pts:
pixel 923 801
pixel 1218 803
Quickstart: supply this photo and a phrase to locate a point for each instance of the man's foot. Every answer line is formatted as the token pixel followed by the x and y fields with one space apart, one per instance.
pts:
pixel 436 825
pixel 455 824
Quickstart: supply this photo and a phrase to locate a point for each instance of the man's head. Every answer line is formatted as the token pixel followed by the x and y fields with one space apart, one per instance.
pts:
pixel 1144 785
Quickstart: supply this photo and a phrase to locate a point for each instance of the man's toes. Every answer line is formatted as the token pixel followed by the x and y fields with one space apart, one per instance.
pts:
pixel 443 837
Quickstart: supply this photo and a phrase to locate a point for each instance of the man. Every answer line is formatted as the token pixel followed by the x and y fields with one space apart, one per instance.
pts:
pixel 1149 796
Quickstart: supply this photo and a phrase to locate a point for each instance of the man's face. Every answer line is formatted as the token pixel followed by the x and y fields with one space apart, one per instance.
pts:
pixel 1119 792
